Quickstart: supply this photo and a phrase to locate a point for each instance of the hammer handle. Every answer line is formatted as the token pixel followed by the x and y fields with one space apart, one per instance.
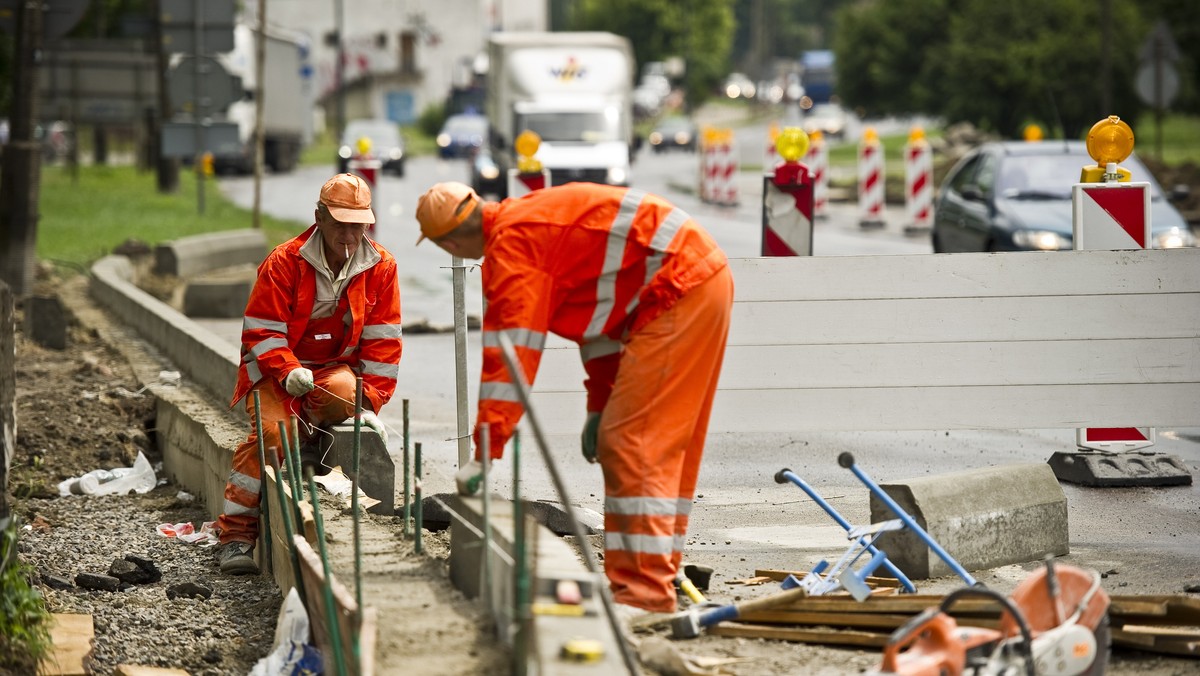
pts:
pixel 735 610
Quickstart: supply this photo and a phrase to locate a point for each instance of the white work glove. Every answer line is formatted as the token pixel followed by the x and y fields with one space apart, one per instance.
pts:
pixel 469 477
pixel 369 419
pixel 299 382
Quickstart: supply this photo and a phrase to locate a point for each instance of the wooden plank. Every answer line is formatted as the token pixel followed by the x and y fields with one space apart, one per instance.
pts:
pixel 923 408
pixel 970 274
pixel 824 637
pixel 71 638
pixel 1001 364
pixel 1182 643
pixel 345 609
pixel 138 670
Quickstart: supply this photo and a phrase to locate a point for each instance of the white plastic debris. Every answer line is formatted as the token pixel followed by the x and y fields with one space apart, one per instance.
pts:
pixel 116 481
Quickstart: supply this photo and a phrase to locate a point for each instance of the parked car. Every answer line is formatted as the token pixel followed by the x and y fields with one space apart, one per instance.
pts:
pixel 828 118
pixel 462 135
pixel 673 133
pixel 486 178
pixel 387 144
pixel 1016 196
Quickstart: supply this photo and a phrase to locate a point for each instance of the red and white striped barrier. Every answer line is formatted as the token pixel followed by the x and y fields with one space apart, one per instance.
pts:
pixel 817 160
pixel 521 183
pixel 870 181
pixel 1109 214
pixel 918 183
pixel 368 167
pixel 718 169
pixel 771 156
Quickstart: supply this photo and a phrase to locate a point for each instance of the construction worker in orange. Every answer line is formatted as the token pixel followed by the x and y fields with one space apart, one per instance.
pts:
pixel 646 293
pixel 324 310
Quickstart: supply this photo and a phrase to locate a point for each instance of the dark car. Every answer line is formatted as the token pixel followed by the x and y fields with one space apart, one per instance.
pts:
pixel 1016 196
pixel 386 144
pixel 462 135
pixel 673 133
pixel 486 177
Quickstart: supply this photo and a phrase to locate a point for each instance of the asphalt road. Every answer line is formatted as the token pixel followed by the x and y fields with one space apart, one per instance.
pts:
pixel 743 521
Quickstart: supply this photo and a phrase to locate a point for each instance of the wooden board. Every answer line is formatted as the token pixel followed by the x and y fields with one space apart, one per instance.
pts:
pixel 1055 340
pixel 821 636
pixel 137 670
pixel 280 564
pixel 345 613
pixel 71 636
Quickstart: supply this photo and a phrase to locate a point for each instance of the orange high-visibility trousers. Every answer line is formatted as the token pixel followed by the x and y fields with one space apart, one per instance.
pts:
pixel 651 439
pixel 331 402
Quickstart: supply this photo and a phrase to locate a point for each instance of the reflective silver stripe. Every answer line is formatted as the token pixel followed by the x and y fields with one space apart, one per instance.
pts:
pixel 648 506
pixel 264 346
pixel 528 338
pixel 614 253
pixel 668 228
pixel 253 372
pixel 234 509
pixel 600 347
pixel 378 331
pixel 498 392
pixel 349 350
pixel 244 482
pixel 662 545
pixel 249 322
pixel 653 265
pixel 378 368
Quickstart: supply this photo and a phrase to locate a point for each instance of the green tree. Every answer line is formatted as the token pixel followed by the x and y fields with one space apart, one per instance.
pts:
pixel 996 64
pixel 700 31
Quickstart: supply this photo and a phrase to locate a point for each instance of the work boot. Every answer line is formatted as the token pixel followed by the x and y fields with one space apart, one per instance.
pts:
pixel 313 451
pixel 237 558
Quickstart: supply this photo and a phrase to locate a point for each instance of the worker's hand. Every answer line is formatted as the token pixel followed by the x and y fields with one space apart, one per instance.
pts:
pixel 299 382
pixel 469 477
pixel 369 419
pixel 591 430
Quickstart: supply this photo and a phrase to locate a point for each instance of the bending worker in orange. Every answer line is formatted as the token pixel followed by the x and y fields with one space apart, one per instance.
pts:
pixel 646 293
pixel 324 309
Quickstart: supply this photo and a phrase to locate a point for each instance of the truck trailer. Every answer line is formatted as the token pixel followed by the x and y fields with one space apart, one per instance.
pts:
pixel 575 91
pixel 287 112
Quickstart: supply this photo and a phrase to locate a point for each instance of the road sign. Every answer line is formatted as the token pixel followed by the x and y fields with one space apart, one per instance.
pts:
pixel 1159 44
pixel 179 139
pixel 217 87
pixel 1111 216
pixel 1157 85
pixel 58 17
pixel 216 19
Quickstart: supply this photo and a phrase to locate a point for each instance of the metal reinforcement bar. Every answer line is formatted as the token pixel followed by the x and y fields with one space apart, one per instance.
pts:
pixel 358 394
pixel 335 630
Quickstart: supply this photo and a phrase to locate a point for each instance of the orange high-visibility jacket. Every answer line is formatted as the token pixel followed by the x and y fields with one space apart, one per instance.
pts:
pixel 590 263
pixel 280 307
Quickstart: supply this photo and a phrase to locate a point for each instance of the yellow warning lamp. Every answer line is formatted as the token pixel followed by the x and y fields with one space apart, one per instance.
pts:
pixel 363 145
pixel 792 144
pixel 1109 141
pixel 870 136
pixel 773 132
pixel 711 136
pixel 816 137
pixel 916 135
pixel 1032 133
pixel 526 146
pixel 206 164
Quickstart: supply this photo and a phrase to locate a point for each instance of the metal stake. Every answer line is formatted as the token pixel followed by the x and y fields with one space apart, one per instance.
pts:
pixel 407 488
pixel 264 520
pixel 293 474
pixel 485 582
pixel 287 524
pixel 417 497
pixel 335 631
pixel 358 394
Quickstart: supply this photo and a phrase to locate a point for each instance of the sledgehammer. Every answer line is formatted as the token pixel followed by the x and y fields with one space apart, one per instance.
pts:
pixel 689 623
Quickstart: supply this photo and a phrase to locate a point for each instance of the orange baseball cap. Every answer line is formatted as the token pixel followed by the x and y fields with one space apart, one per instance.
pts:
pixel 348 199
pixel 443 208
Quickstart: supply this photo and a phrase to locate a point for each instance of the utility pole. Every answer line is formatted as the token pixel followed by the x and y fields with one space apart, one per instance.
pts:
pixel 340 69
pixel 260 58
pixel 167 168
pixel 20 175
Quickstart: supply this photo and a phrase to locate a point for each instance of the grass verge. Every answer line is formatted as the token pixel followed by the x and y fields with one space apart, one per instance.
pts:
pixel 83 218
pixel 24 620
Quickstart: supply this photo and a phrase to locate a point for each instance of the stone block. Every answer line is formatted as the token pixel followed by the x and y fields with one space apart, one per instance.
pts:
pixel 983 518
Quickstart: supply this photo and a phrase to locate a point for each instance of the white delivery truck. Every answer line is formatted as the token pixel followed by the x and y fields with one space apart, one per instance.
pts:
pixel 575 91
pixel 288 111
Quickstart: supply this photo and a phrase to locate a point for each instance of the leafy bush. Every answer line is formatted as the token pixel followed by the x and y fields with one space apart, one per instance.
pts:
pixel 24 620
